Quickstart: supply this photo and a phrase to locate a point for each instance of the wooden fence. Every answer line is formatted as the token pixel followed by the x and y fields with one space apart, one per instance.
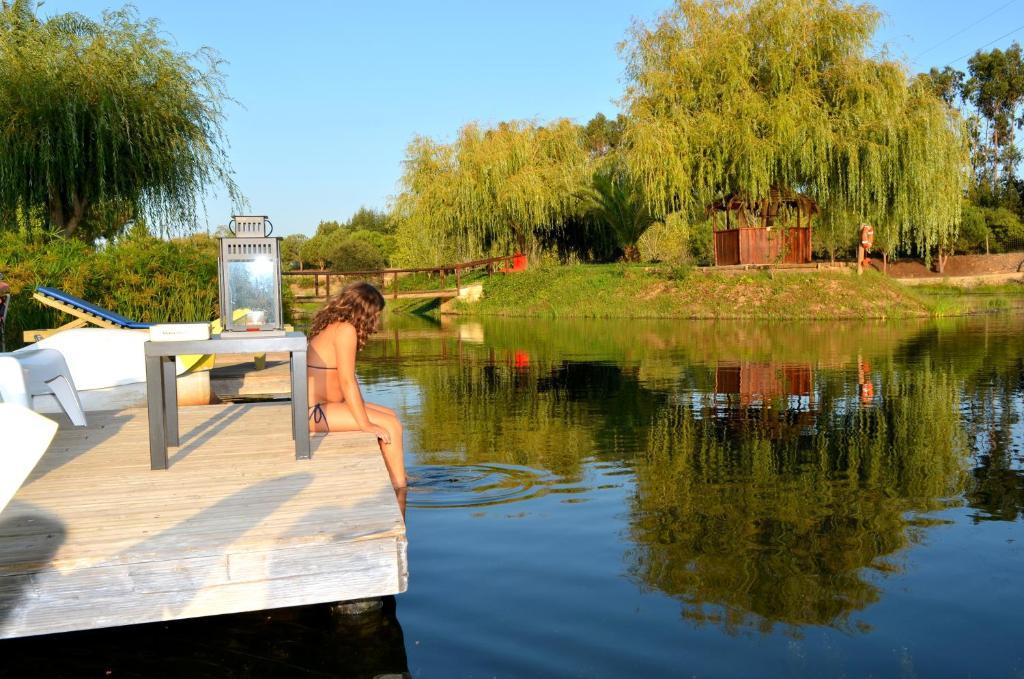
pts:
pixel 394 276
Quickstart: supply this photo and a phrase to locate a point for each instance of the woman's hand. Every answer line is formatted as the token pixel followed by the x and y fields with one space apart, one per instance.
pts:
pixel 379 432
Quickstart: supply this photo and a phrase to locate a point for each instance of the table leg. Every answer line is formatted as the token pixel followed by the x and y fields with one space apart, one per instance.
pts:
pixel 155 409
pixel 300 406
pixel 170 384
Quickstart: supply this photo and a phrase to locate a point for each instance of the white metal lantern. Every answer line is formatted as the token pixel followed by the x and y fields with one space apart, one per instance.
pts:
pixel 249 269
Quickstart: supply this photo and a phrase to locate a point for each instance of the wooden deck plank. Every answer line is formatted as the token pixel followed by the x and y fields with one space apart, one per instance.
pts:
pixel 95 538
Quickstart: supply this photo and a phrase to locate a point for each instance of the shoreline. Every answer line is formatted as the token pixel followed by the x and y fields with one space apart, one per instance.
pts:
pixel 644 292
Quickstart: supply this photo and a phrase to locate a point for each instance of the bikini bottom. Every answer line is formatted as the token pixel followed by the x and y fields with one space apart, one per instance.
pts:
pixel 317 414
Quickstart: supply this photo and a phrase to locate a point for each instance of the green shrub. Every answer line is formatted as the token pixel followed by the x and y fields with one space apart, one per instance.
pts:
pixel 974 230
pixel 1007 229
pixel 140 277
pixel 1000 226
pixel 355 252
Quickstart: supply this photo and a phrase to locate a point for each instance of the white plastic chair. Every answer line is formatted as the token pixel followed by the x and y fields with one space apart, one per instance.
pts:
pixel 34 372
pixel 26 437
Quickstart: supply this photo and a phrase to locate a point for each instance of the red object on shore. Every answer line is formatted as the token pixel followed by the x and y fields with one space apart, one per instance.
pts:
pixel 519 263
pixel 521 359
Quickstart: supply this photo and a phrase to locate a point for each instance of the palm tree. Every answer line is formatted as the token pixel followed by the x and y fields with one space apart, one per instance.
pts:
pixel 617 204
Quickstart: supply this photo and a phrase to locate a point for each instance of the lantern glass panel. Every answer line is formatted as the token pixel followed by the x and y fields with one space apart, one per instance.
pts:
pixel 253 286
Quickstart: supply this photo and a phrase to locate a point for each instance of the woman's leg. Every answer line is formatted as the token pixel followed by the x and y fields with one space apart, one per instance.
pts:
pixel 339 417
pixel 371 407
pixel 394 452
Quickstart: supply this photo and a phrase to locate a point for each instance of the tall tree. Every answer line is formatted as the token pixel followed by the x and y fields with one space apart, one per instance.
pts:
pixel 996 88
pixel 106 112
pixel 291 249
pixel 740 96
pixel 947 83
pixel 602 135
pixel 496 189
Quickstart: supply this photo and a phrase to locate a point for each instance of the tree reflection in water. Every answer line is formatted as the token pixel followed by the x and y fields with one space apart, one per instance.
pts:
pixel 769 513
pixel 780 470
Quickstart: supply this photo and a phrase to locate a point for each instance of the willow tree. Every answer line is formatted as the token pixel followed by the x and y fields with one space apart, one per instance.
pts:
pixel 739 96
pixel 104 113
pixel 491 190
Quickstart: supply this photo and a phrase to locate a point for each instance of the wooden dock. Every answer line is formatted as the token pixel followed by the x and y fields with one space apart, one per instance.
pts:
pixel 96 539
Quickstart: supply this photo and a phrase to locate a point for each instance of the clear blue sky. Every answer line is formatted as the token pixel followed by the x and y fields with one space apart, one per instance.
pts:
pixel 330 92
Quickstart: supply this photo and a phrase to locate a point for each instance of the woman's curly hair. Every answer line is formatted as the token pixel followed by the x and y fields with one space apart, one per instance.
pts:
pixel 359 304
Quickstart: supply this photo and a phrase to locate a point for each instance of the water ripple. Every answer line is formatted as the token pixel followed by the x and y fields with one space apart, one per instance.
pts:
pixel 477 485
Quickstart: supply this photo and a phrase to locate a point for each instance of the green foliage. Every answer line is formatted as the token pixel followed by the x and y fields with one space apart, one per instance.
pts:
pixel 667 241
pixel 632 291
pixel 328 227
pixel 291 250
pixel 357 251
pixel 602 135
pixel 1006 227
pixel 364 242
pixel 998 228
pixel 491 191
pixel 740 96
pixel 616 202
pixel 138 276
pixel 947 84
pixel 974 233
pixel 103 121
pixel 316 250
pixel 368 219
pixel 996 89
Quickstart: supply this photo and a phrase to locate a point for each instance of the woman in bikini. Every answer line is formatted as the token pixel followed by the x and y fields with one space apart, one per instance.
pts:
pixel 337 332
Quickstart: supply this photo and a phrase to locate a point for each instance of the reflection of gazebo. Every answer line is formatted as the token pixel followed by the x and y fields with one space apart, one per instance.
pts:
pixel 774 229
pixel 760 383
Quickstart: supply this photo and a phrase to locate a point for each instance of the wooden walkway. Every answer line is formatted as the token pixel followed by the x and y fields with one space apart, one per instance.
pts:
pixel 96 539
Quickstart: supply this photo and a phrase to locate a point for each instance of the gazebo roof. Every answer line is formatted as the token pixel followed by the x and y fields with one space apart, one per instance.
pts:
pixel 739 201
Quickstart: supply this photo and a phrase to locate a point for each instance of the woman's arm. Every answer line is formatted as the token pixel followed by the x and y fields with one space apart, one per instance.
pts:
pixel 345 345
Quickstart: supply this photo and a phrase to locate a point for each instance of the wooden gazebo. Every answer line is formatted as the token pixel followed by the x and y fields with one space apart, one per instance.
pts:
pixel 773 230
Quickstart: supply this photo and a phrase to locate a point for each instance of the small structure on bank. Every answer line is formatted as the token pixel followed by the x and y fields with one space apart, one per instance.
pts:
pixel 773 230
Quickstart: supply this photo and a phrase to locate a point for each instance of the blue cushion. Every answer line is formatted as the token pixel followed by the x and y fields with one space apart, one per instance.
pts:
pixel 106 315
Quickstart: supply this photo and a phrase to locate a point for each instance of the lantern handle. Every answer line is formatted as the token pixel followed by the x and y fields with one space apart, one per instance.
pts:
pixel 231 230
pixel 271 227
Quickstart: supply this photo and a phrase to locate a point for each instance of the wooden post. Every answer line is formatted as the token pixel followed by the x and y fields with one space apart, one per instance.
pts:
pixel 444 278
pixel 394 285
pixel 458 280
pixel 714 234
pixel 316 285
pixel 327 294
pixel 860 259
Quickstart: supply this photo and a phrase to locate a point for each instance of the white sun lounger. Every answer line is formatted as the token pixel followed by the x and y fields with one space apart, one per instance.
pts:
pixel 26 436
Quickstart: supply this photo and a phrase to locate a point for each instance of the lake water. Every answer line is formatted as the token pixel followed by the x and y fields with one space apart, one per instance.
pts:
pixel 631 499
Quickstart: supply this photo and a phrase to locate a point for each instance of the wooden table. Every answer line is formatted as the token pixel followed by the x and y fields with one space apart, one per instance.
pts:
pixel 162 386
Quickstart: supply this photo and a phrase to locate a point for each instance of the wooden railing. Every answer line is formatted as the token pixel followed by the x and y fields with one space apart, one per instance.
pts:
pixel 394 276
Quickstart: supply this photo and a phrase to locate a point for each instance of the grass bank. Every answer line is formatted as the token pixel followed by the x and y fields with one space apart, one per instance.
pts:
pixel 952 300
pixel 631 291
